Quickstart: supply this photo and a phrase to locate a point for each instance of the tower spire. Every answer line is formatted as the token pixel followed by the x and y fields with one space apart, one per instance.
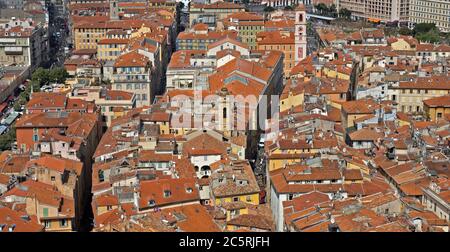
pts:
pixel 113 10
pixel 300 33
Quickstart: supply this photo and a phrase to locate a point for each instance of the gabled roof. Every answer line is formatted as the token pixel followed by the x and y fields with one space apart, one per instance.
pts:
pixel 365 135
pixel 227 40
pixel 131 59
pixel 165 192
pixel 13 221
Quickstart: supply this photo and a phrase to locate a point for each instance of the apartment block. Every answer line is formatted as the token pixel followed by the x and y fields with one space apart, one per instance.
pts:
pixel 23 42
pixel 376 10
pixel 430 11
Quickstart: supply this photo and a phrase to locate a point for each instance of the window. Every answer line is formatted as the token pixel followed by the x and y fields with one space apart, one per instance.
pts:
pixel 248 199
pixel 47 224
pixel 235 199
pixel 35 138
pixel 63 223
pixel 108 207
pixel 167 193
pixel 53 178
pixel 101 177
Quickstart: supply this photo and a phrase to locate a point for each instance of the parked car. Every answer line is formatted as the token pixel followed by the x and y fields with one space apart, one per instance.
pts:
pixel 3 129
pixel 46 88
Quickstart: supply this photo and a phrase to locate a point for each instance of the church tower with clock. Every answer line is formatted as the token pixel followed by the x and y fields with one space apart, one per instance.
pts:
pixel 300 33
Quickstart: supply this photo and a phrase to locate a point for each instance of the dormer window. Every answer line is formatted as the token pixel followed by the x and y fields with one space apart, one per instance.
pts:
pixel 151 203
pixel 189 190
pixel 167 193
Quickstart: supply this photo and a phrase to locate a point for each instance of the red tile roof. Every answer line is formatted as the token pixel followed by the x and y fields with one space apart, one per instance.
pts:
pixel 13 221
pixel 131 59
pixel 181 191
pixel 442 101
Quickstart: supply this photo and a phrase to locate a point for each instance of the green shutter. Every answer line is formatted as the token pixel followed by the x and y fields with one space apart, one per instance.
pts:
pixel 45 210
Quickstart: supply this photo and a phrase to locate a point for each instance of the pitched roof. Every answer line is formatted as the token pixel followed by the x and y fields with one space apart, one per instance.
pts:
pixel 59 164
pixel 365 135
pixel 152 193
pixel 434 82
pixel 13 221
pixel 227 40
pixel 363 106
pixel 252 221
pixel 442 101
pixel 131 59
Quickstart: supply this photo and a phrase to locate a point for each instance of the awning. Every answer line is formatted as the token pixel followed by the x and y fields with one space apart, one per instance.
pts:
pixel 3 106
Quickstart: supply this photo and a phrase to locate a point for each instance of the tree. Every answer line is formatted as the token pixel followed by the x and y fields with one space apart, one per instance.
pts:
pixel 427 32
pixel 405 31
pixel 8 138
pixel 41 76
pixel 431 37
pixel 58 75
pixel 424 28
pixel 269 9
pixel 332 11
pixel 345 13
pixel 20 102
pixel 321 8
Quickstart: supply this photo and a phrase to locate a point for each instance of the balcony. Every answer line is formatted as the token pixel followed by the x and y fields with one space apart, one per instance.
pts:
pixel 13 50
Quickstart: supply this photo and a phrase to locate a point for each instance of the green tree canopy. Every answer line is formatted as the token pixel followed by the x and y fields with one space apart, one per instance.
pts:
pixel 431 37
pixel 269 9
pixel 58 75
pixel 405 31
pixel 41 76
pixel 345 13
pixel 424 28
pixel 8 138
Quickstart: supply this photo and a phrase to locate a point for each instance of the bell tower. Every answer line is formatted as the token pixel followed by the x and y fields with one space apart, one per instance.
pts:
pixel 300 33
pixel 113 10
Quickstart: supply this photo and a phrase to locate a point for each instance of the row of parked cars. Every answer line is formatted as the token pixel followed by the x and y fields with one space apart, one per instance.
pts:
pixel 9 115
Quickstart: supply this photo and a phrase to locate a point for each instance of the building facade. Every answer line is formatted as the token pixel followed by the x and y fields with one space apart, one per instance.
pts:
pixel 430 11
pixel 376 10
pixel 23 43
